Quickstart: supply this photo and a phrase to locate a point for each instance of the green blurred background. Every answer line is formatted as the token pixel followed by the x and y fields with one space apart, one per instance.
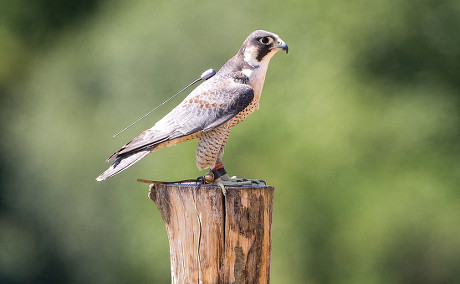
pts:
pixel 358 130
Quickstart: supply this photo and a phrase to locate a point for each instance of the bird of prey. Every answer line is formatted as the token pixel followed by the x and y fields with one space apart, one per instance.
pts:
pixel 209 112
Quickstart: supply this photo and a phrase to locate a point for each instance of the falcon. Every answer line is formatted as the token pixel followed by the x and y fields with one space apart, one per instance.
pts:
pixel 209 112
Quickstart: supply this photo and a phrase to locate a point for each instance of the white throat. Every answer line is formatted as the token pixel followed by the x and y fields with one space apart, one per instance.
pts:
pixel 257 70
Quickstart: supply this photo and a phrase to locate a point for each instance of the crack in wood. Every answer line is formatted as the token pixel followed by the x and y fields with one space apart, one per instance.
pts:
pixel 234 232
pixel 199 234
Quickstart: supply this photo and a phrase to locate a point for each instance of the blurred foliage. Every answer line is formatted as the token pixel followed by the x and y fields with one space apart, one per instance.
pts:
pixel 358 130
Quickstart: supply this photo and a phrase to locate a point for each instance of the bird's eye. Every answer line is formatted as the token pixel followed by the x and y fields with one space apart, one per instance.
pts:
pixel 266 40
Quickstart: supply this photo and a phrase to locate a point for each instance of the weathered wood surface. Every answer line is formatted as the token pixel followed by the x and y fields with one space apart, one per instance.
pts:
pixel 217 239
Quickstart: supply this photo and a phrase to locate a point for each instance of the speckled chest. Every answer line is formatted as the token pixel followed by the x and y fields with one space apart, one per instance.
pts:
pixel 256 81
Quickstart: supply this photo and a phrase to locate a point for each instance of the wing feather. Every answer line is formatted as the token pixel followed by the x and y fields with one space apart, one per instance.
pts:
pixel 208 106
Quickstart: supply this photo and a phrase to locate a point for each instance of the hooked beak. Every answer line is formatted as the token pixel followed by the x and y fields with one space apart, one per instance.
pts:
pixel 282 45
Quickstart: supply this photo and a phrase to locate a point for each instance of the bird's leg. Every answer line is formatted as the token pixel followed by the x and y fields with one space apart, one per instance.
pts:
pixel 218 175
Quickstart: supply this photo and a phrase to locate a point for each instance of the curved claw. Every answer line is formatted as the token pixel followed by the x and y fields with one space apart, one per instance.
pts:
pixel 261 180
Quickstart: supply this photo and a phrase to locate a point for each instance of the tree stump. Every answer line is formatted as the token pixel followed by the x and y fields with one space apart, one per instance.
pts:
pixel 215 238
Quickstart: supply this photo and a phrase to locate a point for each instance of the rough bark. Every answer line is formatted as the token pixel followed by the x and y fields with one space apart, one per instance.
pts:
pixel 217 239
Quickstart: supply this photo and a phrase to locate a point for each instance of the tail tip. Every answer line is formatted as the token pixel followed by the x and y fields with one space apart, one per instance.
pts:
pixel 101 178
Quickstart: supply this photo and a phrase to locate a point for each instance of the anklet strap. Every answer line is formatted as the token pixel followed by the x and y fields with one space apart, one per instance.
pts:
pixel 219 166
pixel 218 172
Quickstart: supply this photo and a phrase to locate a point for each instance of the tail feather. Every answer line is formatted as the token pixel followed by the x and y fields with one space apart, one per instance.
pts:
pixel 122 164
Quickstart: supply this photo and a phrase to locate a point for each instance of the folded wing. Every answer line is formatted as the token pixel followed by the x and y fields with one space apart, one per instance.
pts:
pixel 207 107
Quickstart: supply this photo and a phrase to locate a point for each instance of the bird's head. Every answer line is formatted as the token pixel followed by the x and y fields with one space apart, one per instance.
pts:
pixel 260 46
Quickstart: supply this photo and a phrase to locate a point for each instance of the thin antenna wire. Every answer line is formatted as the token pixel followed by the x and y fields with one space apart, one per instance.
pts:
pixel 204 76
